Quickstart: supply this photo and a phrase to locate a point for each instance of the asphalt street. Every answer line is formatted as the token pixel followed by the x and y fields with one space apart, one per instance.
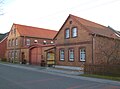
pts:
pixel 26 78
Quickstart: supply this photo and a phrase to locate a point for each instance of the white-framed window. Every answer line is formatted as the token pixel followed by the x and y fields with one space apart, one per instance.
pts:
pixel 9 43
pixel 14 31
pixel 62 55
pixel 27 42
pixel 82 54
pixel 9 54
pixel 11 32
pixel 67 33
pixel 16 54
pixel 71 54
pixel 13 42
pixel 74 32
pixel 12 54
pixel 16 41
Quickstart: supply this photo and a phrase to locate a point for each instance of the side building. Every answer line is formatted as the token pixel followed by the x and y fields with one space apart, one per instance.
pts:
pixel 3 46
pixel 21 38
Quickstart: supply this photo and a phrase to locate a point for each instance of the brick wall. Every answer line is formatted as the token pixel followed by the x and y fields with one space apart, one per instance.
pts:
pixel 3 47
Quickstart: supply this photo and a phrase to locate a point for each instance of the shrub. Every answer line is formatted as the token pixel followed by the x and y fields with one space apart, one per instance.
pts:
pixel 3 59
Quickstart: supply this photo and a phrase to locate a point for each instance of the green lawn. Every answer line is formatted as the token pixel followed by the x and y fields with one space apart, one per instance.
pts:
pixel 101 77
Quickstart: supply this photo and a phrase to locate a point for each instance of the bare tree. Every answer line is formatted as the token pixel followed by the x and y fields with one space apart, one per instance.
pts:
pixel 108 51
pixel 1 8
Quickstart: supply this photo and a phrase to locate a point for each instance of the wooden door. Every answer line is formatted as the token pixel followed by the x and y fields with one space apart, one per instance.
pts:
pixel 34 56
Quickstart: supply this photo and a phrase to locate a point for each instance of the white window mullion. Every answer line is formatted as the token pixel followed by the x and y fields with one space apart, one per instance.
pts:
pixel 82 54
pixel 62 56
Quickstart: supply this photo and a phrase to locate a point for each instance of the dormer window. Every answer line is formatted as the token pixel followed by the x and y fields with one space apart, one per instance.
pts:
pixel 67 33
pixel 74 32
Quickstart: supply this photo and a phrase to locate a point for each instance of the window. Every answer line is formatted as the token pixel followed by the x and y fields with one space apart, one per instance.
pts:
pixel 71 54
pixel 12 54
pixel 9 43
pixel 16 42
pixel 82 54
pixel 14 31
pixel 13 42
pixel 16 54
pixel 62 55
pixel 74 32
pixel 67 33
pixel 11 31
pixel 9 54
pixel 28 42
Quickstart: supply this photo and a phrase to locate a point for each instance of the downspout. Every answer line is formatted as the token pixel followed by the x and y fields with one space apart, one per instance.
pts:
pixel 55 56
pixel 93 47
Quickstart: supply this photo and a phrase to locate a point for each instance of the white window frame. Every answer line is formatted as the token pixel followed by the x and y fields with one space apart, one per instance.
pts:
pixel 74 32
pixel 13 55
pixel 9 54
pixel 27 42
pixel 13 42
pixel 16 54
pixel 82 54
pixel 16 41
pixel 9 43
pixel 14 31
pixel 67 33
pixel 71 54
pixel 62 55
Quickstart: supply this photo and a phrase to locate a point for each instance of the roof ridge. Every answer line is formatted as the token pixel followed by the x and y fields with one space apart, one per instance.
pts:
pixel 88 20
pixel 34 27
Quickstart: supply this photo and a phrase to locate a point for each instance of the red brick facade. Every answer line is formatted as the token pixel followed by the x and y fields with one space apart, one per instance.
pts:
pixel 86 39
pixel 77 42
pixel 3 47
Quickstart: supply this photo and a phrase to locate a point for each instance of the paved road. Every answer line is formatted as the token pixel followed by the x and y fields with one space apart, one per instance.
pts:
pixel 12 77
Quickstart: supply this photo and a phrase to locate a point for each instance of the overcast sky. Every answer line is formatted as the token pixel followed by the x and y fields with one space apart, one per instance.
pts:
pixel 51 14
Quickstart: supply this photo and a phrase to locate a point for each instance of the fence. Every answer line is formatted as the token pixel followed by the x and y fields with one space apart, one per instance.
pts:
pixel 103 69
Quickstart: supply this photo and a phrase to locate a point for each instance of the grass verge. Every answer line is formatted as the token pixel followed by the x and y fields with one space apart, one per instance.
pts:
pixel 101 77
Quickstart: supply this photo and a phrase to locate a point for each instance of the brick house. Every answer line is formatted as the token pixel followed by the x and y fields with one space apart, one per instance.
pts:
pixel 22 40
pixel 78 39
pixel 3 46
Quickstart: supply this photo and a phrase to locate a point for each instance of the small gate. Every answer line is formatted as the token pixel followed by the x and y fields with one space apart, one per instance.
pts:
pixel 50 59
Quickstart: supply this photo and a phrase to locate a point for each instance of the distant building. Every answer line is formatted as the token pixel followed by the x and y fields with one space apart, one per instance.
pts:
pixel 3 45
pixel 22 40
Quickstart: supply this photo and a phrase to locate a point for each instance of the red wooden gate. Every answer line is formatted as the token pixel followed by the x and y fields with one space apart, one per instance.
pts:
pixel 35 56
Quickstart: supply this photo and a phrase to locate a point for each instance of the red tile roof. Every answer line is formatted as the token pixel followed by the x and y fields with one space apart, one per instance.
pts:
pixel 35 32
pixel 95 28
